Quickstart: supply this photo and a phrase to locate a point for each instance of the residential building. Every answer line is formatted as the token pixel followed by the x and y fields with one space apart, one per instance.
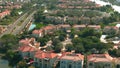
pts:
pixel 96 27
pixel 65 27
pixel 28 47
pixel 43 31
pixel 99 61
pixel 107 28
pixel 38 33
pixel 49 29
pixel 71 61
pixel 79 27
pixel 27 51
pixel 4 13
pixel 117 63
pixel 27 41
pixel 45 59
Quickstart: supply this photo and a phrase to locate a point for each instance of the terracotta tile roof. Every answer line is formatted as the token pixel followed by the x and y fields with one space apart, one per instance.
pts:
pixel 117 60
pixel 79 26
pixel 27 41
pixel 99 58
pixel 4 13
pixel 49 27
pixel 37 31
pixel 109 27
pixel 94 26
pixel 24 41
pixel 64 26
pixel 42 55
pixel 26 48
pixel 73 57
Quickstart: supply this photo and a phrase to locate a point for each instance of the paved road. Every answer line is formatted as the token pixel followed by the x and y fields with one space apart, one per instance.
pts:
pixel 18 29
pixel 12 26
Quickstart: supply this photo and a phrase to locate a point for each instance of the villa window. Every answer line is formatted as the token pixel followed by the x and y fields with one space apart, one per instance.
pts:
pixel 70 66
pixel 28 54
pixel 118 66
pixel 90 64
pixel 40 60
pixel 79 62
pixel 107 65
pixel 63 62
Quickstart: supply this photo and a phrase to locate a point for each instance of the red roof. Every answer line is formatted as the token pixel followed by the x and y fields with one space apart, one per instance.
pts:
pixel 37 31
pixel 94 26
pixel 26 48
pixel 64 25
pixel 79 26
pixel 48 27
pixel 114 27
pixel 24 41
pixel 99 58
pixel 42 55
pixel 73 57
pixel 4 13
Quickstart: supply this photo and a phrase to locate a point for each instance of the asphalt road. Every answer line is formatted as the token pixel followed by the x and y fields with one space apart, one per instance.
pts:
pixel 11 27
pixel 18 29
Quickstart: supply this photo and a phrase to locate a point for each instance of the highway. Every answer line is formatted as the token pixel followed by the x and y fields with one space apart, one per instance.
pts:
pixel 14 28
pixel 18 29
pixel 11 27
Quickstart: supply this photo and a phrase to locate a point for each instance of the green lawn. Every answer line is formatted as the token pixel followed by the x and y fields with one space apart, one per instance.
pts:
pixel 39 25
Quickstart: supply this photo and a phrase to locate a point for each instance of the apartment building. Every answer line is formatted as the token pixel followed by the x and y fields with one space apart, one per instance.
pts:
pixel 45 59
pixel 72 61
pixel 99 61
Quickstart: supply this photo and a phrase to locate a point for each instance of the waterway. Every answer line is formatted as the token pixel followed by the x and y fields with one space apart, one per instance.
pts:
pixel 102 3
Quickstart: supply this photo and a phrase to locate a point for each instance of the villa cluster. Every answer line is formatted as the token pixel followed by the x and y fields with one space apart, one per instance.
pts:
pixel 51 28
pixel 75 4
pixel 29 48
pixel 4 13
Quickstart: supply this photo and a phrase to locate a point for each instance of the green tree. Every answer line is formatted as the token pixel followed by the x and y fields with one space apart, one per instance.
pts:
pixel 22 64
pixel 14 12
pixel 8 42
pixel 70 47
pixel 13 57
pixel 58 47
pixel 31 67
pixel 79 48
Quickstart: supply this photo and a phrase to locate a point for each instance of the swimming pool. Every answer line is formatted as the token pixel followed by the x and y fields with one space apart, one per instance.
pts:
pixel 32 26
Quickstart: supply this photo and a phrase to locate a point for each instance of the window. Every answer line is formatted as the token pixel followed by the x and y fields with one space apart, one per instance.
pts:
pixel 40 60
pixel 63 62
pixel 79 62
pixel 107 65
pixel 118 66
pixel 90 64
pixel 70 66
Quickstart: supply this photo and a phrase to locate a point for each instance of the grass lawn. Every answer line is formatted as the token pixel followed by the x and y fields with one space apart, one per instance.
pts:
pixel 39 25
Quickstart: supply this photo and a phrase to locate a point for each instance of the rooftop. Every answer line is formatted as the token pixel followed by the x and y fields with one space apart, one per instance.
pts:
pixel 73 57
pixel 99 58
pixel 42 54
